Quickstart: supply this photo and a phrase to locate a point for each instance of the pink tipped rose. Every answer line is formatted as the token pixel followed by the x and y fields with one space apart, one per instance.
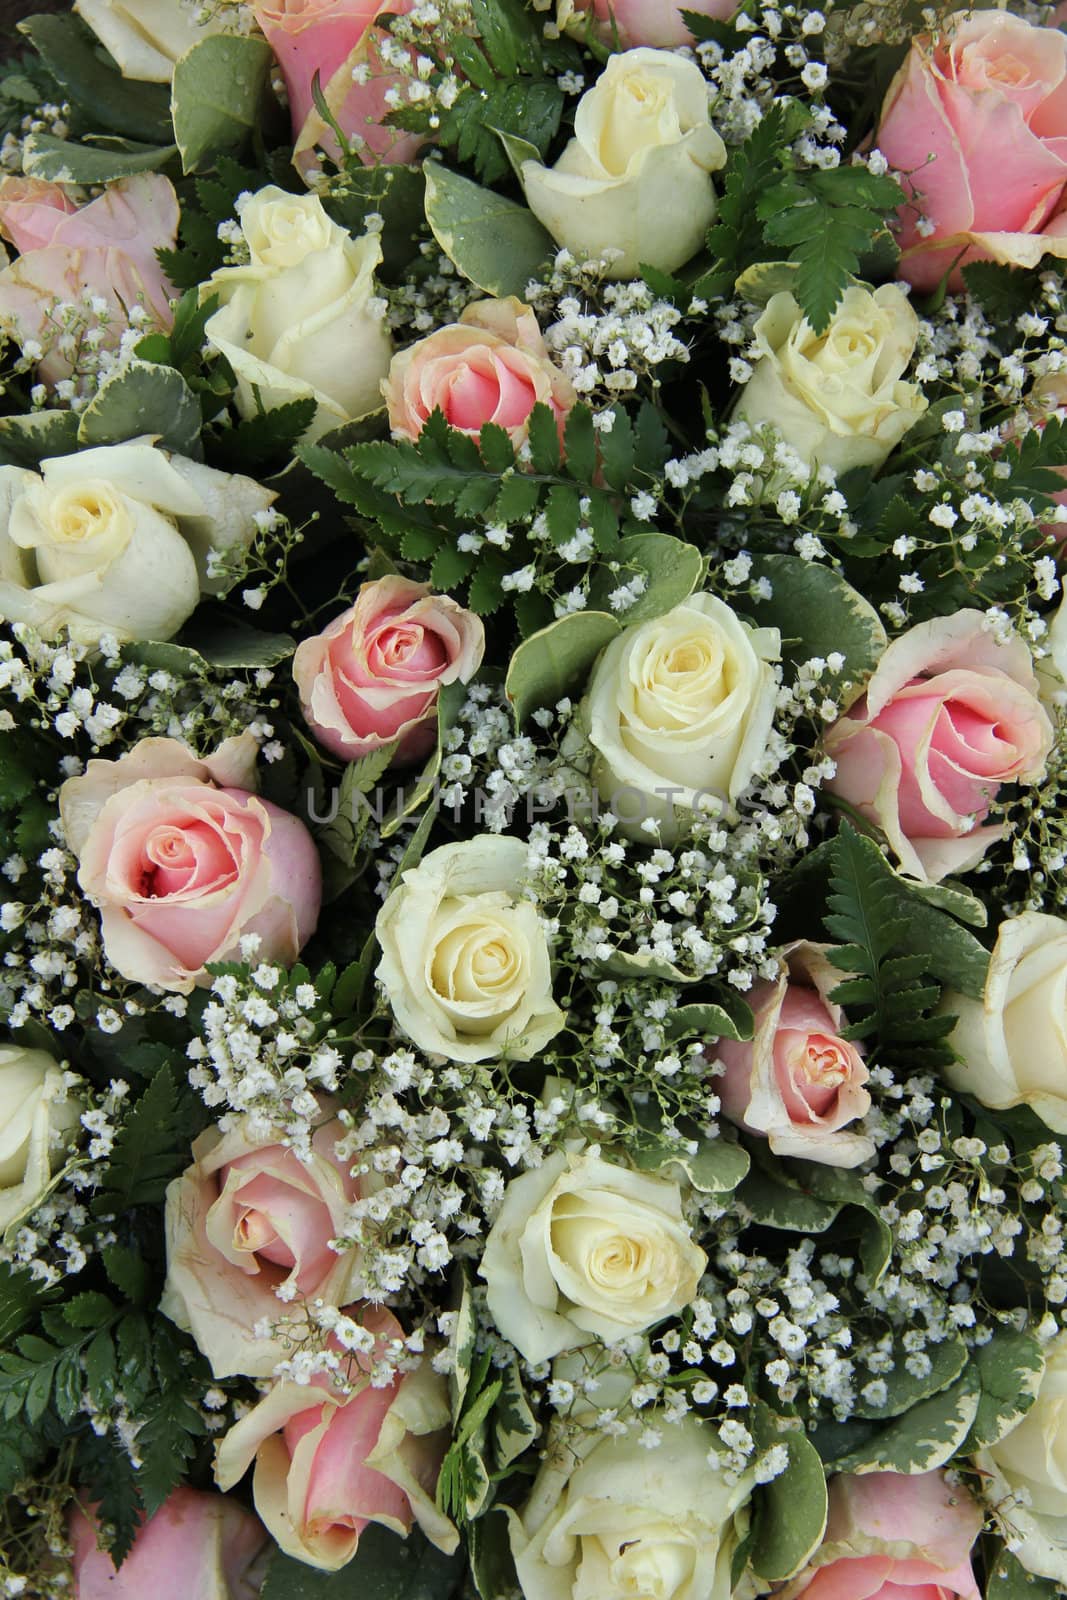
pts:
pixel 976 121
pixel 248 1228
pixel 183 861
pixel 106 249
pixel 338 40
pixel 330 1458
pixel 950 714
pixel 491 366
pixel 658 23
pixel 375 673
pixel 796 1082
pixel 205 1546
pixel 892 1537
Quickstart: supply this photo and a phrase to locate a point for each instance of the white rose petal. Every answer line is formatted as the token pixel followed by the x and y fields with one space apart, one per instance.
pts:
pixel 837 397
pixel 635 179
pixel 34 1112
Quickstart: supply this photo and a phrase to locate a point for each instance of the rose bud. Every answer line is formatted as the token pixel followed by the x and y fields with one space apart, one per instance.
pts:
pixel 374 674
pixel 796 1082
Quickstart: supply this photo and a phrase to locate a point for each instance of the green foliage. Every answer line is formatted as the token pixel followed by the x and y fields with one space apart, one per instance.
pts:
pixel 825 221
pixel 94 85
pixel 218 97
pixel 888 995
pixel 141 398
pixel 790 1511
pixel 151 1147
pixel 817 612
pixel 509 72
pixel 270 437
pixel 64 161
pixel 822 222
pixel 414 499
pixel 200 250
pixel 390 1568
pixel 496 243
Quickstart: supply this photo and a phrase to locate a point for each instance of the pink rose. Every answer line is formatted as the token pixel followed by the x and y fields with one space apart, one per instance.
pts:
pixel 248 1219
pixel 183 861
pixel 796 1082
pixel 374 674
pixel 332 1457
pixel 976 120
pixel 657 23
pixel 491 366
pixel 892 1537
pixel 337 39
pixel 950 714
pixel 205 1546
pixel 106 249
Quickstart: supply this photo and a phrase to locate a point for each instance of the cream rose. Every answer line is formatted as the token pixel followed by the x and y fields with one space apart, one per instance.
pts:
pixel 36 1121
pixel 302 317
pixel 1025 1474
pixel 149 37
pixel 680 708
pixel 636 177
pixel 623 1521
pixel 116 540
pixel 838 397
pixel 583 1249
pixel 465 964
pixel 1012 1043
pixel 249 1219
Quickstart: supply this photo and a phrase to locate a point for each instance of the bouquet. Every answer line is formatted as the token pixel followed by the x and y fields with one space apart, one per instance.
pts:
pixel 533 795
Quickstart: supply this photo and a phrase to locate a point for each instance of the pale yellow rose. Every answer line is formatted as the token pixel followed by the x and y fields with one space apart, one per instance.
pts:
pixel 584 1249
pixel 636 177
pixel 303 317
pixel 465 962
pixel 37 1119
pixel 838 397
pixel 680 708
pixel 116 540
pixel 621 1521
pixel 1012 1043
pixel 1025 1474
pixel 149 37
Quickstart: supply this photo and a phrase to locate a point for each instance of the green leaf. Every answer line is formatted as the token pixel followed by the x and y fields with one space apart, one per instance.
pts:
pixel 494 242
pixel 127 1271
pixel 450 701
pixel 150 1148
pixel 60 161
pixel 670 567
pixel 775 1200
pixel 166 1439
pixel 544 439
pixel 229 644
pixel 716 1166
pixel 390 1568
pixel 1009 1370
pixel 143 398
pixel 393 191
pixel 551 663
pixel 270 436
pixel 123 105
pixel 708 1021
pixel 1008 1579
pixel 26 441
pixel 579 444
pixel 817 612
pixel 514 1424
pixel 217 97
pixel 790 1510
pixel 925 1437
pixel 903 1389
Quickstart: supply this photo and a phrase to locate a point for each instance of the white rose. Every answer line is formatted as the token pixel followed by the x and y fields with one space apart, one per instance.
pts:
pixel 115 540
pixel 625 1521
pixel 680 707
pixel 36 1120
pixel 302 318
pixel 1013 1042
pixel 635 177
pixel 837 397
pixel 465 964
pixel 583 1249
pixel 1025 1474
pixel 148 37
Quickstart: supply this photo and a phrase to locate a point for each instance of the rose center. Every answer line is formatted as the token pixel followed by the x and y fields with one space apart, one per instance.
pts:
pixel 79 514
pixel 475 963
pixel 652 1568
